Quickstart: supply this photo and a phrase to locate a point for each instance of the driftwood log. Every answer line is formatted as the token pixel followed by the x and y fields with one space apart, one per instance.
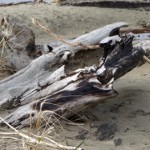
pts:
pixel 38 73
pixel 108 3
pixel 43 87
pixel 2 4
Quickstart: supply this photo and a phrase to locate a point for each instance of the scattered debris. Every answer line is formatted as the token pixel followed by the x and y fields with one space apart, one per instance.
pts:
pixel 82 135
pixel 138 112
pixel 117 141
pixel 106 131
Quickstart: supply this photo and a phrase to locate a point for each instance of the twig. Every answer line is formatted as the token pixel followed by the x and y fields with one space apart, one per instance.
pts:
pixel 57 37
pixel 4 43
pixel 39 140
pixel 9 137
pixel 1 42
pixel 8 133
pixel 146 59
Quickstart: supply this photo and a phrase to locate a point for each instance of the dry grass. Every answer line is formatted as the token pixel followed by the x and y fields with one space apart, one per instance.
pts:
pixel 5 70
pixel 39 136
pixel 56 1
pixel 57 37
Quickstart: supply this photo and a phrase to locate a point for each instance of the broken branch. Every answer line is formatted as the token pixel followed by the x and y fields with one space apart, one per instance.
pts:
pixel 57 37
pixel 50 143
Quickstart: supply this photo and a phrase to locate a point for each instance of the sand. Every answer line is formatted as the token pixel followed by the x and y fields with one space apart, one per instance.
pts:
pixel 120 123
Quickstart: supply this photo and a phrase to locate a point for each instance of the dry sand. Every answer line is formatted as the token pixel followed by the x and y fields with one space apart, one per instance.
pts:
pixel 120 123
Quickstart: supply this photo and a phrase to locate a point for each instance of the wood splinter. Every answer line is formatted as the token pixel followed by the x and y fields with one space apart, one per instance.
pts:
pixel 146 59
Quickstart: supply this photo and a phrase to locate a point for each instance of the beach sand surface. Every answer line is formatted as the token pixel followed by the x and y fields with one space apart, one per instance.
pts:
pixel 121 123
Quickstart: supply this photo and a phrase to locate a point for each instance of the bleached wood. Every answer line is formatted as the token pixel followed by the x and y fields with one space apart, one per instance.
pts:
pixel 108 3
pixel 44 88
pixel 27 84
pixel 83 88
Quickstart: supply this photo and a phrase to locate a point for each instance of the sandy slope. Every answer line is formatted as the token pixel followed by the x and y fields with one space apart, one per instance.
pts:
pixel 128 115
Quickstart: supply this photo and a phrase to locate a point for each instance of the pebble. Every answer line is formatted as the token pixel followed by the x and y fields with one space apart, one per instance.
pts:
pixel 117 141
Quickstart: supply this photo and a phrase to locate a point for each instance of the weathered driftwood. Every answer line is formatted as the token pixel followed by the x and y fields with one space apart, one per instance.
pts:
pixel 21 2
pixel 84 87
pixel 33 81
pixel 19 42
pixel 43 86
pixel 107 3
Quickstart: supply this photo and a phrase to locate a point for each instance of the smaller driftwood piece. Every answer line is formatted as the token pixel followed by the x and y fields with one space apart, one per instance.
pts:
pixel 44 87
pixel 108 3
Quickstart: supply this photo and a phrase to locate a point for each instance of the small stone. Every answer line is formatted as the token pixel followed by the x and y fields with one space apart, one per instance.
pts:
pixel 118 141
pixel 113 118
pixel 127 129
